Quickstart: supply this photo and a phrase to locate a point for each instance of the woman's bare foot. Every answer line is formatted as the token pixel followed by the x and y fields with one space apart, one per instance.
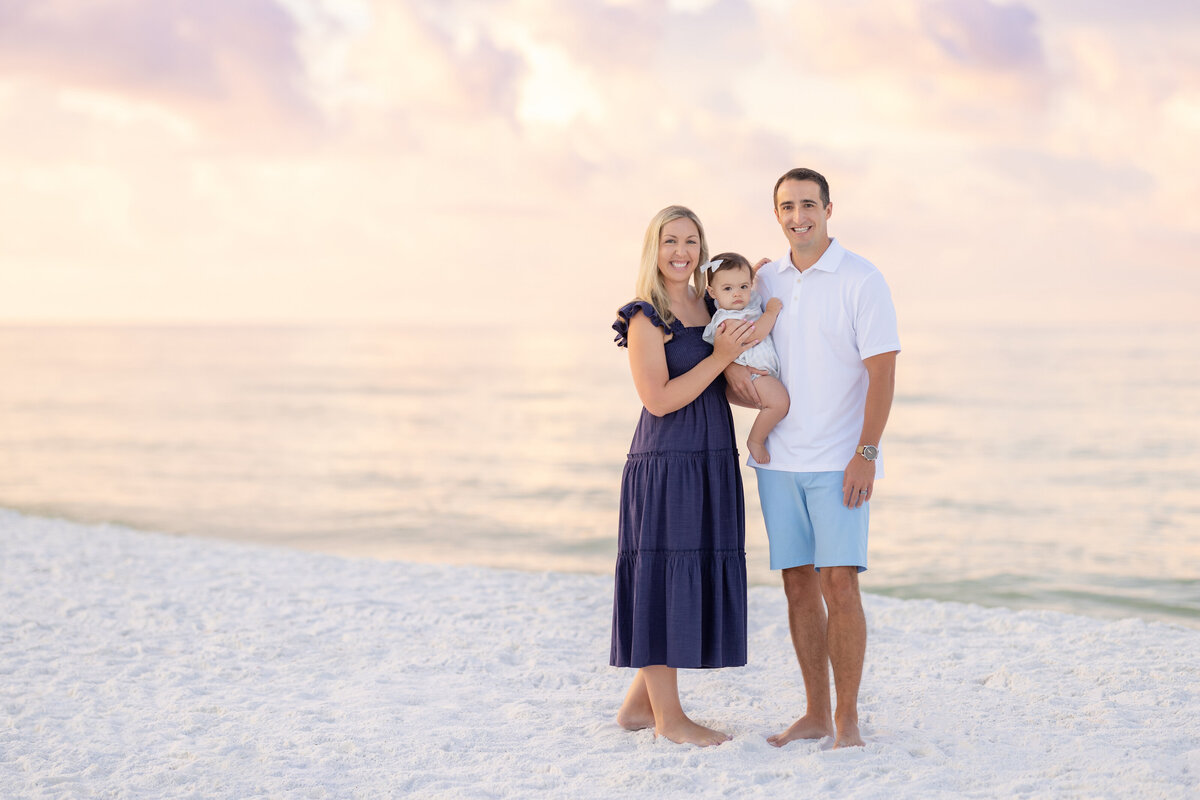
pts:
pixel 803 728
pixel 848 736
pixel 634 719
pixel 636 712
pixel 759 451
pixel 685 731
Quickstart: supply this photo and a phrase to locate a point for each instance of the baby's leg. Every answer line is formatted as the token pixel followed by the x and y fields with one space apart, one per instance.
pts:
pixel 775 403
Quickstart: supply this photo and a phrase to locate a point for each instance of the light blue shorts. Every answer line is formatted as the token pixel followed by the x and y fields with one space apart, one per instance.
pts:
pixel 807 523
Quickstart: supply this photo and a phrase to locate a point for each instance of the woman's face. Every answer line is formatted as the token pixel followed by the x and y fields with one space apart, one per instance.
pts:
pixel 678 250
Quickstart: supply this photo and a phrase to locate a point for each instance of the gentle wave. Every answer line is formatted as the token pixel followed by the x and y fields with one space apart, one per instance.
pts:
pixel 1024 468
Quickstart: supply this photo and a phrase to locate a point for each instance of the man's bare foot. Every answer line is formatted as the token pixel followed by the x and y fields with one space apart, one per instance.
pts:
pixel 759 451
pixel 848 736
pixel 687 732
pixel 803 728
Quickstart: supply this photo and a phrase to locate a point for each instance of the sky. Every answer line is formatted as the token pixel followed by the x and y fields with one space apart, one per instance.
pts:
pixel 496 162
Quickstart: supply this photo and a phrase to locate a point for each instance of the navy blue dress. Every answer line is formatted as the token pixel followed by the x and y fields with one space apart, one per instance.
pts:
pixel 680 597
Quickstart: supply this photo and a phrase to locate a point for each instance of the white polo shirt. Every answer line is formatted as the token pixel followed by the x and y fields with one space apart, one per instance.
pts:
pixel 835 313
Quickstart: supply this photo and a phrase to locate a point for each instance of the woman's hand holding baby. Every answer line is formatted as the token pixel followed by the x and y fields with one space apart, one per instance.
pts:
pixel 733 338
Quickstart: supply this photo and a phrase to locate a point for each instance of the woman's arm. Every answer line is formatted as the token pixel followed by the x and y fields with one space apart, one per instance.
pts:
pixel 739 386
pixel 662 394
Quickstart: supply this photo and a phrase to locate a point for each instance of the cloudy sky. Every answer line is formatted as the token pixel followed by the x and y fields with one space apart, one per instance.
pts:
pixel 497 160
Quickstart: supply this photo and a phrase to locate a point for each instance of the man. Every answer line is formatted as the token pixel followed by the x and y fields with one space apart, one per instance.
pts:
pixel 837 344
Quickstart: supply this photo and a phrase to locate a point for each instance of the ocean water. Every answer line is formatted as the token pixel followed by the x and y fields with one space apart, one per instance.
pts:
pixel 1031 468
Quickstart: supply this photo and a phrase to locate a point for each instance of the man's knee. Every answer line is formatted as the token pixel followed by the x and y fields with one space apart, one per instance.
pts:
pixel 800 585
pixel 839 585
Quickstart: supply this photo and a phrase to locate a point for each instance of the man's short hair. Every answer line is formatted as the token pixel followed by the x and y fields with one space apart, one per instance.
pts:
pixel 803 174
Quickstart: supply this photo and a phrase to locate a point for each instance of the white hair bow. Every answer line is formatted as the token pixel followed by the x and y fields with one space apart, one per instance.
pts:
pixel 711 265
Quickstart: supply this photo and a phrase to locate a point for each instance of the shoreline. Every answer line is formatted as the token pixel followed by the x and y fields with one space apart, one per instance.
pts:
pixel 148 665
pixel 1098 596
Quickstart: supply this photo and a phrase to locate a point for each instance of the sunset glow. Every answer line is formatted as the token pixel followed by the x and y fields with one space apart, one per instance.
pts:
pixel 299 160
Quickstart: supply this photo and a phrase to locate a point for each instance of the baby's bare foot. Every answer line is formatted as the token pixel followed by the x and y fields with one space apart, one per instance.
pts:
pixel 759 451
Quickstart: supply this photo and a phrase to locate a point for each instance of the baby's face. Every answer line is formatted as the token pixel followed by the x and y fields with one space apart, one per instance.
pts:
pixel 731 288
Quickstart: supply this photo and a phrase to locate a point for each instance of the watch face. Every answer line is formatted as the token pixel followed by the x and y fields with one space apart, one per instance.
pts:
pixel 869 452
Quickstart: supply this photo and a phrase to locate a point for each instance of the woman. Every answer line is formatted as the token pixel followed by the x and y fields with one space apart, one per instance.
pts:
pixel 680 598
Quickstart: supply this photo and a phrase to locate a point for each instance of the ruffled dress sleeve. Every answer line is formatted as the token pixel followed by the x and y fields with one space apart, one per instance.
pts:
pixel 627 312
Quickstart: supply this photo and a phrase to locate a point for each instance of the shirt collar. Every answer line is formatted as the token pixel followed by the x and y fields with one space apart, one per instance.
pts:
pixel 829 261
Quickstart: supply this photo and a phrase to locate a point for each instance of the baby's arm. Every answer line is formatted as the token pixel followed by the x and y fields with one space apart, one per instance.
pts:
pixel 764 324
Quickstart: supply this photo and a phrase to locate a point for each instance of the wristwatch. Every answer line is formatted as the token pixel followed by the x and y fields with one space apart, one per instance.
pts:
pixel 868 451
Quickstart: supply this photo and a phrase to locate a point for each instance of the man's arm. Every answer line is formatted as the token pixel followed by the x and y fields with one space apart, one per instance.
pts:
pixel 860 473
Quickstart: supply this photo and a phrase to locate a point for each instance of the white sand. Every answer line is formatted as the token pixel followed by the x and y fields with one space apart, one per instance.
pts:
pixel 140 665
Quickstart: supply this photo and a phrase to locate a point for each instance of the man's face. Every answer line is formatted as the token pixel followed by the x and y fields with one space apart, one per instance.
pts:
pixel 801 215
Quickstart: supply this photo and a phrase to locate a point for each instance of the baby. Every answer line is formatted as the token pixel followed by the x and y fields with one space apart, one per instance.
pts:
pixel 730 283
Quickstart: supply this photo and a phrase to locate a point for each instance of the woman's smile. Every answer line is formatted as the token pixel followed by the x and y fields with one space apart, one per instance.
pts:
pixel 679 249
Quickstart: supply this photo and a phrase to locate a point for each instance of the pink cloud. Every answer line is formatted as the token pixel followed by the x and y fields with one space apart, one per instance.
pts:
pixel 1122 14
pixel 983 34
pixel 216 55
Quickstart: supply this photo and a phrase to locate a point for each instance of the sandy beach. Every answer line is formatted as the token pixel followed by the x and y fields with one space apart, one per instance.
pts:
pixel 142 665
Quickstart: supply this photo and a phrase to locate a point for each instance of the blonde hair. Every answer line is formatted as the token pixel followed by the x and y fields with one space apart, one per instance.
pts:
pixel 649 280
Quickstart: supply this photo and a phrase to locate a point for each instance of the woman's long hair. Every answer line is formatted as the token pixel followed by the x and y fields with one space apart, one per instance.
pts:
pixel 649 280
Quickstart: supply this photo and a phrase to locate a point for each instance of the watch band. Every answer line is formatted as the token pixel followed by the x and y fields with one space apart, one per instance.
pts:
pixel 868 451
